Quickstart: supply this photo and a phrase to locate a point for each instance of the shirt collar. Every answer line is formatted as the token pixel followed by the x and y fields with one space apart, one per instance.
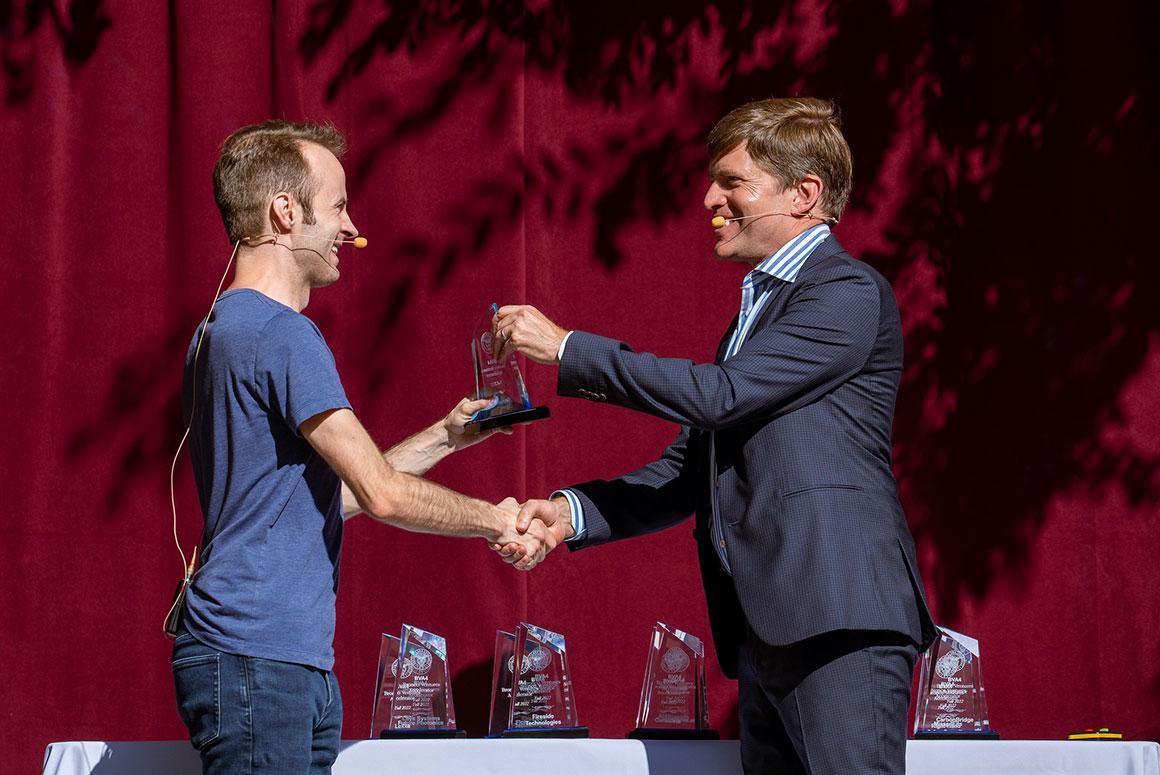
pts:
pixel 787 261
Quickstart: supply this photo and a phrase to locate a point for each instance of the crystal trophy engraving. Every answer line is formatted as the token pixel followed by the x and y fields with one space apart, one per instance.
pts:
pixel 542 703
pixel 421 705
pixel 951 702
pixel 673 701
pixel 385 684
pixel 502 383
pixel 501 683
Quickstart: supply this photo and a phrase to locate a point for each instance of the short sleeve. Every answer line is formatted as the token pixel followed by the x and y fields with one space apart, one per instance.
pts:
pixel 295 370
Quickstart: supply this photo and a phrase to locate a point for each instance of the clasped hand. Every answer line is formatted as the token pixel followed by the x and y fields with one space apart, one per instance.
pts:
pixel 534 530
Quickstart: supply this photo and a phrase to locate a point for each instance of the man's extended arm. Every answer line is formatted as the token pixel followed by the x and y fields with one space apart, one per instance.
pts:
pixel 652 498
pixel 408 501
pixel 823 337
pixel 418 453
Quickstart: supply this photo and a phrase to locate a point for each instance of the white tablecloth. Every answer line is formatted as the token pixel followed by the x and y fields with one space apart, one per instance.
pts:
pixel 614 757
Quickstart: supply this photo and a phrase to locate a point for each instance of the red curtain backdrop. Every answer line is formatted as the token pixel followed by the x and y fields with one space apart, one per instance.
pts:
pixel 552 153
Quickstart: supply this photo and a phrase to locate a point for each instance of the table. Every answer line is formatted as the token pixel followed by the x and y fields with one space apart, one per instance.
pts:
pixel 619 757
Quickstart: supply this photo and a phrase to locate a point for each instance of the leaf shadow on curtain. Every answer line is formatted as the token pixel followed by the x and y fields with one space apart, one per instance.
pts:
pixel 78 29
pixel 976 147
pixel 971 152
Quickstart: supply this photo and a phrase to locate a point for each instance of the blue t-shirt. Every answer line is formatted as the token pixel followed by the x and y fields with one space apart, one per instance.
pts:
pixel 273 507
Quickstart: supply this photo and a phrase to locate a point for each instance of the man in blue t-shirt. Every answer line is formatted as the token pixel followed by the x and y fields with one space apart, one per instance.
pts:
pixel 280 460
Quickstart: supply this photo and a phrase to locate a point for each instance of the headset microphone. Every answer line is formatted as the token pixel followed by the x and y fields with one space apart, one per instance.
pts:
pixel 358 242
pixel 719 220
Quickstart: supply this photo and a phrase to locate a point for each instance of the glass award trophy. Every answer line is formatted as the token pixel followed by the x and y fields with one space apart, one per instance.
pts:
pixel 385 684
pixel 542 704
pixel 673 702
pixel 421 705
pixel 951 702
pixel 502 383
pixel 501 683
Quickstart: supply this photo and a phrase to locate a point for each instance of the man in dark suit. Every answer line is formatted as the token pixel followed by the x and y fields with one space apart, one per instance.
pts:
pixel 784 454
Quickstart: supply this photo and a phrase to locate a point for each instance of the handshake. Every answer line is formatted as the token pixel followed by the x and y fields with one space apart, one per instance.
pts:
pixel 529 531
pixel 524 533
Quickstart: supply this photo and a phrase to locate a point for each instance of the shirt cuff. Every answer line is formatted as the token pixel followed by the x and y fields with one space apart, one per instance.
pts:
pixel 560 353
pixel 577 514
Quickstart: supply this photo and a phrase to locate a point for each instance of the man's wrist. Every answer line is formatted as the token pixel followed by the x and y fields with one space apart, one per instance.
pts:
pixel 499 523
pixel 560 349
pixel 564 510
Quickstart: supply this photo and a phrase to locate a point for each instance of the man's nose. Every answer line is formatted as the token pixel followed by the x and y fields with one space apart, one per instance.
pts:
pixel 714 197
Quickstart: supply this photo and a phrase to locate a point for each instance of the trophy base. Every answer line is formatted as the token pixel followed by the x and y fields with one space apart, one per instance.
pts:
pixel 654 733
pixel 947 734
pixel 567 732
pixel 506 420
pixel 422 734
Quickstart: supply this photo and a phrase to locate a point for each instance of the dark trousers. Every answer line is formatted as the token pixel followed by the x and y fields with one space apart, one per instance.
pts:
pixel 248 715
pixel 834 704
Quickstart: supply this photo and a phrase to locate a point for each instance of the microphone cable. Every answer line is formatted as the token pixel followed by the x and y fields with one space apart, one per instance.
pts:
pixel 173 616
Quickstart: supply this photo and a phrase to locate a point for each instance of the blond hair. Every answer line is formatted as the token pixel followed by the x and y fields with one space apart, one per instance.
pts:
pixel 791 137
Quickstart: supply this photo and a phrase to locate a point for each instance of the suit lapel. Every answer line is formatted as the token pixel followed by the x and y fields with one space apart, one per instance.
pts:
pixel 773 302
pixel 724 343
pixel 829 247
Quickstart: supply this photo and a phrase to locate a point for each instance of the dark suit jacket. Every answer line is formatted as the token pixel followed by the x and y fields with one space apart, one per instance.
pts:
pixel 801 419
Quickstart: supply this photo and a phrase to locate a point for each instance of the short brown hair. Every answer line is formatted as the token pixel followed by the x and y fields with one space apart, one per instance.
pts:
pixel 789 138
pixel 260 160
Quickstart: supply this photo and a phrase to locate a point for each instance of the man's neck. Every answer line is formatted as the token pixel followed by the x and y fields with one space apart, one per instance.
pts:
pixel 799 227
pixel 267 273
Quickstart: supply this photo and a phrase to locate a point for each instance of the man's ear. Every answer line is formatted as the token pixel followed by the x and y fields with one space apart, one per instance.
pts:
pixel 807 194
pixel 283 213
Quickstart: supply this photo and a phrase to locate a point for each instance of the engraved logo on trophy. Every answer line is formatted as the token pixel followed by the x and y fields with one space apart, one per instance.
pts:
pixel 511 665
pixel 951 700
pixel 950 663
pixel 421 659
pixel 539 659
pixel 675 661
pixel 673 700
pixel 407 665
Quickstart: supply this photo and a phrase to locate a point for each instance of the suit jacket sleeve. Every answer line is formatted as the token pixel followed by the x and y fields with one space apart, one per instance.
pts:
pixel 822 338
pixel 651 498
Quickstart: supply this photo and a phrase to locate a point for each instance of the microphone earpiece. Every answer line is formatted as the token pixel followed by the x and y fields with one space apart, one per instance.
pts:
pixel 358 242
pixel 718 221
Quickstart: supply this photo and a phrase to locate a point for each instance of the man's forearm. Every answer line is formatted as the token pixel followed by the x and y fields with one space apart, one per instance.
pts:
pixel 415 455
pixel 419 453
pixel 425 507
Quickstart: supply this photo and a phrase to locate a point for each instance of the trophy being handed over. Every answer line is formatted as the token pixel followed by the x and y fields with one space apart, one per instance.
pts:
pixel 502 383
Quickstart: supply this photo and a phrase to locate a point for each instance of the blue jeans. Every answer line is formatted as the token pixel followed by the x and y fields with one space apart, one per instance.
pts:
pixel 249 715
